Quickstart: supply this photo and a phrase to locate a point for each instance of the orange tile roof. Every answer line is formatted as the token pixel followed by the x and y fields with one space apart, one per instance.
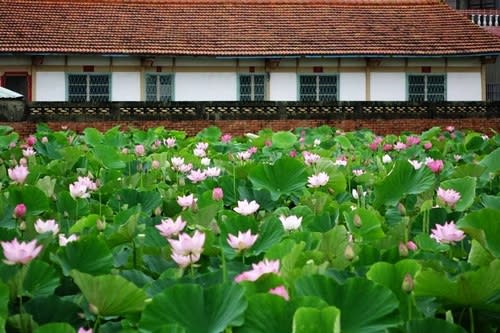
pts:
pixel 240 28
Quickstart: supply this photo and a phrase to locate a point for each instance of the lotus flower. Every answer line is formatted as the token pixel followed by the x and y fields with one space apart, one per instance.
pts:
pixel 63 240
pixel 176 162
pixel 205 161
pixel 197 176
pixel 358 172
pixel 18 174
pixel 449 197
pixel 310 158
pixel 169 227
pixel 412 140
pixel 29 151
pixel 217 194
pixel 226 138
pixel 400 146
pixel 83 330
pixel 247 208
pixel 31 140
pixel 199 152
pixel 318 180
pixel 187 249
pixel 436 166
pixel 185 260
pixel 415 164
pixel 213 172
pixel 170 142
pixel 187 201
pixel 139 150
pixel 386 159
pixel 280 291
pixel 20 210
pixel 46 226
pixel 20 253
pixel 263 267
pixel 78 190
pixel 427 145
pixel 341 161
pixel 244 155
pixel 291 222
pixel 243 241
pixel 447 233
pixel 202 145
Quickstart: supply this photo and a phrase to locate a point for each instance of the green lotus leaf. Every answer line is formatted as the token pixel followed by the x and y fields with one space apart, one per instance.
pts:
pixel 197 309
pixel 69 206
pixel 7 139
pixel 333 244
pixel 283 140
pixel 148 200
pixel 365 307
pixel 312 320
pixel 466 187
pixel 41 279
pixel 88 255
pixel 490 201
pixel 52 309
pixel 401 181
pixel 463 289
pixel 369 227
pixel 285 177
pixel 392 277
pixel 492 161
pixel 109 157
pixel 211 134
pixel 92 136
pixel 484 226
pixel 114 137
pixel 35 199
pixel 55 328
pixel 432 325
pixel 111 295
pixel 473 141
pixel 478 255
pixel 206 211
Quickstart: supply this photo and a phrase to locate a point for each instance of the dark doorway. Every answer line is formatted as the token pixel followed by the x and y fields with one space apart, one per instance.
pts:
pixel 18 82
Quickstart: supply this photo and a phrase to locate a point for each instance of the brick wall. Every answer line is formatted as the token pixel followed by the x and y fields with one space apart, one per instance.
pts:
pixel 238 127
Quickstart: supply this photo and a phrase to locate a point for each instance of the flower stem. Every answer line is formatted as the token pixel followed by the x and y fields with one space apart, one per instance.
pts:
pixel 223 260
pixel 471 318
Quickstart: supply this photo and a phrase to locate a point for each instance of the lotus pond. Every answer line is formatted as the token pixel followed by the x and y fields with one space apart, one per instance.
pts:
pixel 311 230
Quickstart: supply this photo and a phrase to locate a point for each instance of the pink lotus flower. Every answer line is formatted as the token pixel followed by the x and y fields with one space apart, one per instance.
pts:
pixel 170 142
pixel 213 172
pixel 63 240
pixel 29 151
pixel 205 161
pixel 412 140
pixel 202 145
pixel 427 145
pixel 292 153
pixel 246 208
pixel 78 190
pixel 139 150
pixel 340 161
pixel 280 291
pixel 155 164
pixel 387 147
pixel 176 162
pixel 185 260
pixel 31 140
pixel 291 222
pixel 243 155
pixel 198 152
pixel 310 158
pixel 46 226
pixel 253 150
pixel 91 185
pixel 318 180
pixel 187 249
pixel 375 143
pixel 436 166
pixel 450 197
pixel 243 241
pixel 187 201
pixel 20 253
pixel 197 176
pixel 83 330
pixel 411 246
pixel 264 267
pixel 169 227
pixel 20 210
pixel 358 172
pixel 217 194
pixel 447 233
pixel 226 138
pixel 450 128
pixel 185 168
pixel 399 146
pixel 18 174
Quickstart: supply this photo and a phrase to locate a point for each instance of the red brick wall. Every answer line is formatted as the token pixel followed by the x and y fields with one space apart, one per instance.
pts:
pixel 238 127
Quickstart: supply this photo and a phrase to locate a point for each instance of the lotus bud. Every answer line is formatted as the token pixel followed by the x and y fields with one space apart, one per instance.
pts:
pixel 93 309
pixel 157 211
pixel 411 246
pixel 357 221
pixel 402 209
pixel 22 226
pixel 100 225
pixel 403 250
pixel 349 252
pixel 20 210
pixel 155 164
pixel 407 284
pixel 217 194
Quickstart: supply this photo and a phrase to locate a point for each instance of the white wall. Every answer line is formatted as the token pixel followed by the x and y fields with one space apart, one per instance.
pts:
pixel 126 86
pixel 205 87
pixel 50 86
pixel 352 87
pixel 387 86
pixel 463 87
pixel 283 87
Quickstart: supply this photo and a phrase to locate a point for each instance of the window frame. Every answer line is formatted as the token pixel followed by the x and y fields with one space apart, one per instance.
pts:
pixel 252 86
pixel 158 96
pixel 318 75
pixel 88 95
pixel 426 75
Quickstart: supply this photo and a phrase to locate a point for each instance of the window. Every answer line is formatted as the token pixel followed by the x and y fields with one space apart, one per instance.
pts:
pixel 88 87
pixel 426 87
pixel 252 87
pixel 159 87
pixel 315 88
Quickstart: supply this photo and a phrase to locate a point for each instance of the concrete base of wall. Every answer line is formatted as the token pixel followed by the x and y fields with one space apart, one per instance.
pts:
pixel 238 127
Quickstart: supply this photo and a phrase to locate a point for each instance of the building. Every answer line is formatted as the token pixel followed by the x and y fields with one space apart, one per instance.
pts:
pixel 242 50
